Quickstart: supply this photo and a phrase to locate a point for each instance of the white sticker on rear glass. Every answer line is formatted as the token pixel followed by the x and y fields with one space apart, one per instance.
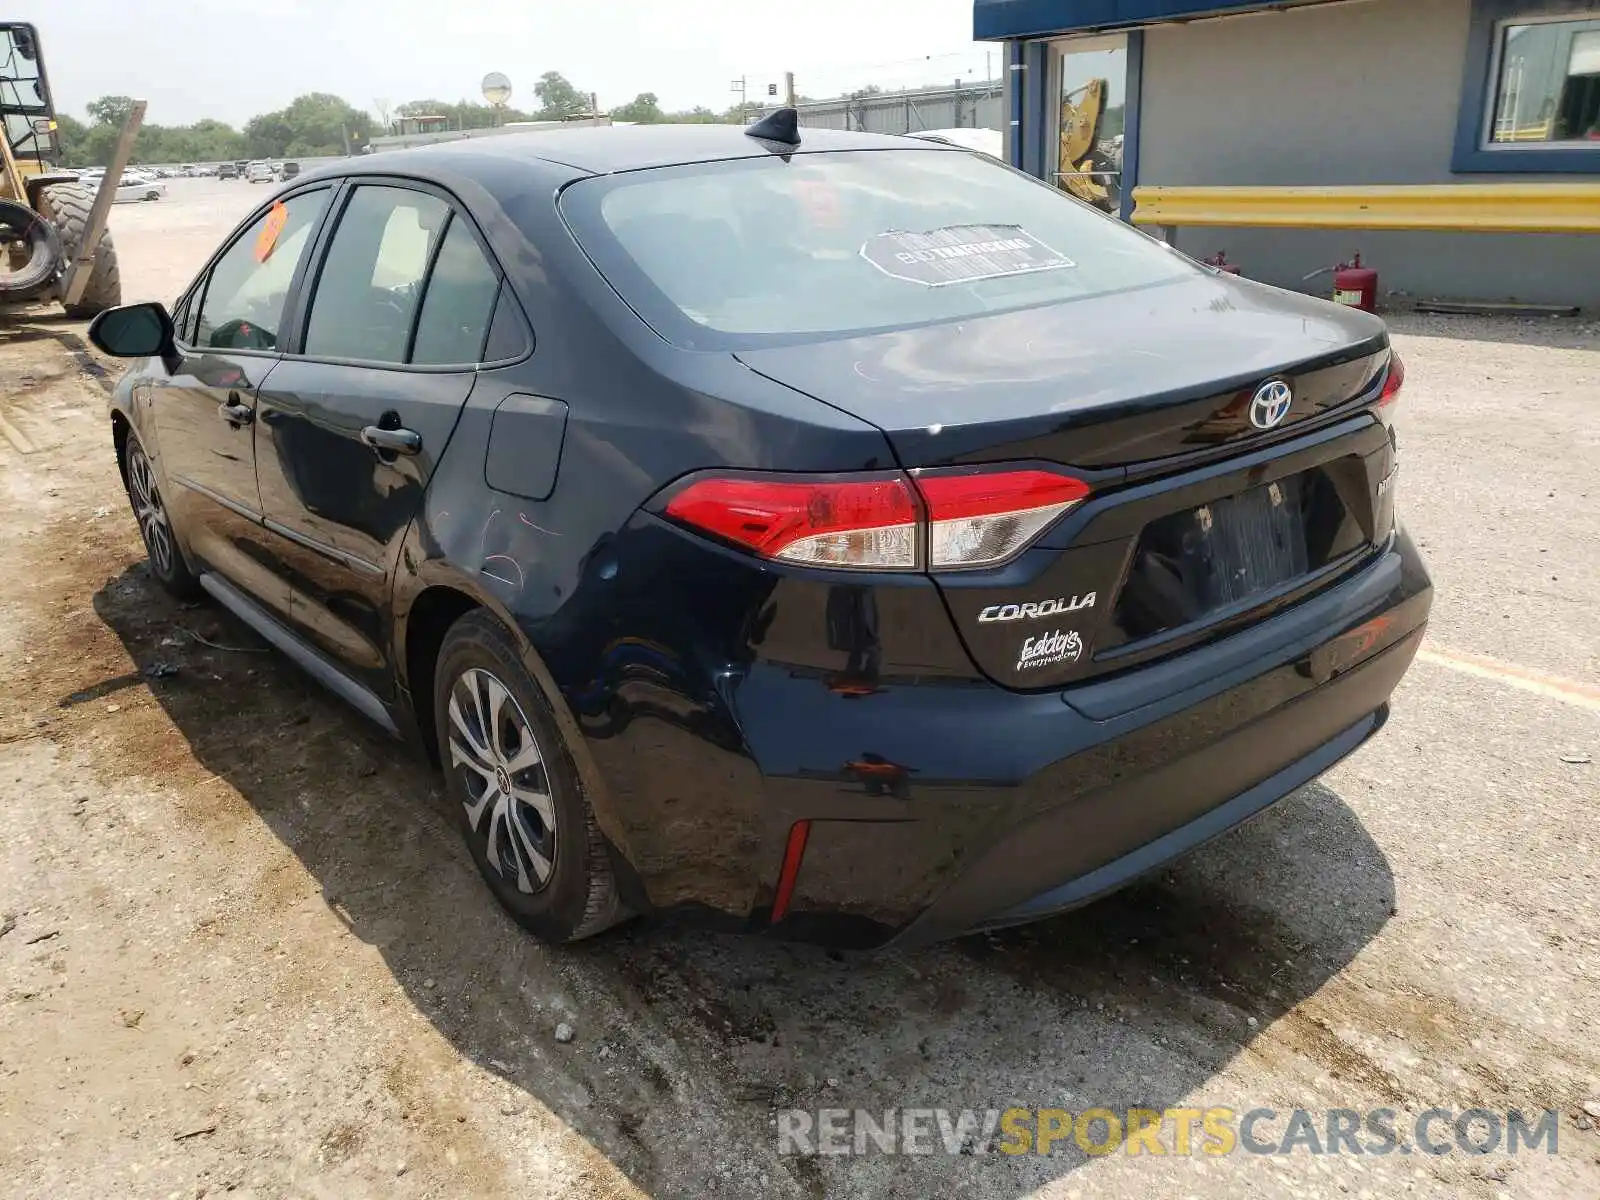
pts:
pixel 961 254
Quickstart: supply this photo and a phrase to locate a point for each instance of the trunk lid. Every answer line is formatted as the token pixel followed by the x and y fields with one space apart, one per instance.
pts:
pixel 1200 523
pixel 1109 381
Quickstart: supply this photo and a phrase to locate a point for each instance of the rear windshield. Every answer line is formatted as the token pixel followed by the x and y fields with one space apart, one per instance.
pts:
pixel 753 251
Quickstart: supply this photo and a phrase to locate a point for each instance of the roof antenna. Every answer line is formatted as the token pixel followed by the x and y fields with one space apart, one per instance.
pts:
pixel 779 125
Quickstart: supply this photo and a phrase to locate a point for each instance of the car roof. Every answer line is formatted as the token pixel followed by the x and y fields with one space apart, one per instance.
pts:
pixel 604 149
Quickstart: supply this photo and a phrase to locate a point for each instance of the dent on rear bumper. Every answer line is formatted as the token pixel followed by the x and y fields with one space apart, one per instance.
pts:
pixel 979 806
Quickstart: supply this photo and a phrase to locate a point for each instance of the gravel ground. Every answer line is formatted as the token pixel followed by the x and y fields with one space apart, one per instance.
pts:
pixel 242 952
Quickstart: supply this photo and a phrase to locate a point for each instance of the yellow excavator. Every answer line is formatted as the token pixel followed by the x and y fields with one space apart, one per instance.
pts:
pixel 50 225
pixel 1084 162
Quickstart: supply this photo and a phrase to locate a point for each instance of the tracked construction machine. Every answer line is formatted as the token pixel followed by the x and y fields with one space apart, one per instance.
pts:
pixel 52 227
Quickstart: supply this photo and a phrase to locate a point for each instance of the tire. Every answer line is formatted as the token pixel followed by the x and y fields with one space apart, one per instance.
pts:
pixel 165 555
pixel 576 896
pixel 66 206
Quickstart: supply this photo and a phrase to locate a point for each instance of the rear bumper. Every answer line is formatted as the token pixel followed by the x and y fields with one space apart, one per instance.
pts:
pixel 1051 863
pixel 984 808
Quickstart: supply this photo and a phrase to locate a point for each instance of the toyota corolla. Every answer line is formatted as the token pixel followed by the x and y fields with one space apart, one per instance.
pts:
pixel 832 534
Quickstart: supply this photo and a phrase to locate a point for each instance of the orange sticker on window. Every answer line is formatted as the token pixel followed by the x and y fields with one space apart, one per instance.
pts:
pixel 277 218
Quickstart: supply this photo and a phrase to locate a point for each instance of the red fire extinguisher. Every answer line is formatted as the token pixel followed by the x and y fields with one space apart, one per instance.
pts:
pixel 1356 285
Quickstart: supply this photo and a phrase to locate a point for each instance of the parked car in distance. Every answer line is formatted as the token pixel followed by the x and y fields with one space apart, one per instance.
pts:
pixel 288 171
pixel 260 172
pixel 879 544
pixel 227 170
pixel 137 186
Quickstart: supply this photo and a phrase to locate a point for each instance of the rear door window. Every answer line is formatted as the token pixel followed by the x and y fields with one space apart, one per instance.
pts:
pixel 371 279
pixel 248 285
pixel 458 304
pixel 508 335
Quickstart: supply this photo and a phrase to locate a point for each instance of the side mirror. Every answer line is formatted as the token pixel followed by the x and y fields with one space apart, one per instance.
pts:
pixel 133 331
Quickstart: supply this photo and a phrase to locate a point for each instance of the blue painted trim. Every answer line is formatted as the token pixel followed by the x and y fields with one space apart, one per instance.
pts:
pixel 1017 82
pixel 1130 122
pixel 1036 121
pixel 1478 87
pixel 994 20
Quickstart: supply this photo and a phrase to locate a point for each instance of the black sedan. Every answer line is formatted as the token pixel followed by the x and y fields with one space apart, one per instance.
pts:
pixel 839 535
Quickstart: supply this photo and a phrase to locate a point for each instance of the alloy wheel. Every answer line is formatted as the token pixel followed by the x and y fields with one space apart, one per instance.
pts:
pixel 502 770
pixel 148 509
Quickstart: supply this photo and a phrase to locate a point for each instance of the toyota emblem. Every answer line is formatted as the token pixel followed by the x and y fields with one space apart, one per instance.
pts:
pixel 1271 403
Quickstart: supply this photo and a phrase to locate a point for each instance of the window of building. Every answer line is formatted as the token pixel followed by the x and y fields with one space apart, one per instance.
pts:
pixel 1532 101
pixel 1548 85
pixel 1089 94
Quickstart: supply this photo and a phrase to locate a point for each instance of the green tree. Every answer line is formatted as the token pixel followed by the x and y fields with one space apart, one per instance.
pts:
pixel 267 134
pixel 643 109
pixel 72 134
pixel 558 97
pixel 110 110
pixel 313 124
pixel 698 115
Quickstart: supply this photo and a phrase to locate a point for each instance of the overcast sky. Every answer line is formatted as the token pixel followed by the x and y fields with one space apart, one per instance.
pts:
pixel 231 59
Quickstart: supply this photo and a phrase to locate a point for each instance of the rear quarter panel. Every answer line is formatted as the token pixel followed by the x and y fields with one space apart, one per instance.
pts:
pixel 639 414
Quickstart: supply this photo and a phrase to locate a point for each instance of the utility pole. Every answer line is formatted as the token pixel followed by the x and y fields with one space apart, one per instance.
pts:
pixel 738 85
pixel 594 108
pixel 788 88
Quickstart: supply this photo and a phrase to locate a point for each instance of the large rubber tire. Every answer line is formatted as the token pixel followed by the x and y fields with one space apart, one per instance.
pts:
pixel 66 206
pixel 579 896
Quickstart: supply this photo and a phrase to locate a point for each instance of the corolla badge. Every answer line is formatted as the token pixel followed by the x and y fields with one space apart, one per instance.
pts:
pixel 1035 610
pixel 1271 403
pixel 1050 648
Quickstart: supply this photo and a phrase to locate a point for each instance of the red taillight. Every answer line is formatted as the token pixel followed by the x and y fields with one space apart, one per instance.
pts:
pixel 870 522
pixel 967 518
pixel 984 517
pixel 1394 381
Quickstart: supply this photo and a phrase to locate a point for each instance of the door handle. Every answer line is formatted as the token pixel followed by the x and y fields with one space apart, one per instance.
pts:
pixel 395 441
pixel 234 413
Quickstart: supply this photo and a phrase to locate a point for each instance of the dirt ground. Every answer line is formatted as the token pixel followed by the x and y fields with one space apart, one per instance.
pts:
pixel 243 952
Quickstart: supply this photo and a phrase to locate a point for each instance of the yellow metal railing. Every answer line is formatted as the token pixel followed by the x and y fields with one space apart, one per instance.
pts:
pixel 1450 207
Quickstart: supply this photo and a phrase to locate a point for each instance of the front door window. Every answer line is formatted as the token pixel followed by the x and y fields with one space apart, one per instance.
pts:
pixel 1091 89
pixel 244 298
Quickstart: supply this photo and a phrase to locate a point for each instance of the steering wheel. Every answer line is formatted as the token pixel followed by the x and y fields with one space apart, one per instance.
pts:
pixel 243 334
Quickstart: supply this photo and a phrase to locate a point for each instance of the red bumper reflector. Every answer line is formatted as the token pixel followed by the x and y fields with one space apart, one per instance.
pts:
pixel 793 851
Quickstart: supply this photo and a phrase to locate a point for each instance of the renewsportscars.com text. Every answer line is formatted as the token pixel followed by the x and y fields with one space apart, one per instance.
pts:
pixel 1172 1131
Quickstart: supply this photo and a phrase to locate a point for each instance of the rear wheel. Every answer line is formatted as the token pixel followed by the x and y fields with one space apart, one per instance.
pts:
pixel 515 789
pixel 155 527
pixel 66 206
